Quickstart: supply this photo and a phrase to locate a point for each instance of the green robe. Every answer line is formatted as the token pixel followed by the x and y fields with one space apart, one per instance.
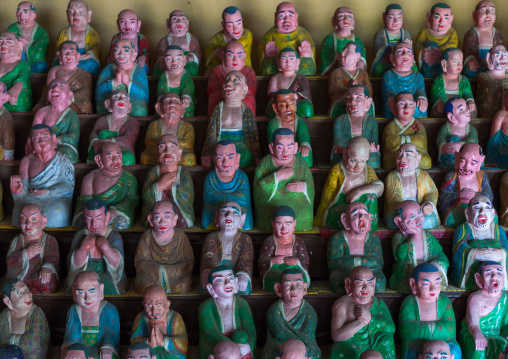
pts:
pixel 20 73
pixel 36 49
pixel 67 130
pixel 438 91
pixel 448 160
pixel 186 89
pixel 332 47
pixel 377 335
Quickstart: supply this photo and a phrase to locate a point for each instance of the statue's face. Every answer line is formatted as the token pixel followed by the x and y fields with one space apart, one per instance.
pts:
pixel 428 286
pixel 25 14
pixel 156 306
pixel 69 55
pixel 234 87
pixel 408 158
pixel 349 56
pixel 96 220
pixel 284 228
pixel 179 24
pixel 469 161
pixel 492 279
pixel 229 217
pixel 128 22
pixel 359 218
pixel 124 53
pixel 485 16
pixel 285 107
pixel 175 61
pixel 78 15
pixel 440 20
pixel 437 349
pixel 163 219
pixel 233 25
pixel 171 105
pixel 284 149
pixel 460 115
pixel 394 19
pixel 344 19
pixel 234 57
pixel 412 219
pixel 75 354
pixel 357 157
pixel 169 150
pixel 227 160
pixel 43 141
pixel 139 354
pixel 288 62
pixel 225 284
pixel 403 56
pixel 88 292
pixel 292 289
pixel 226 350
pixel 9 45
pixel 31 220
pixel 356 102
pixel 405 107
pixel 362 286
pixel 111 158
pixel 286 18
pixel 21 297
pixel 119 102
pixel 59 92
pixel 499 58
pixel 455 62
pixel 481 212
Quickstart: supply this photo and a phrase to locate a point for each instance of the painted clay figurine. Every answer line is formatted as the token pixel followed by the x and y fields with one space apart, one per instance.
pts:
pixel 356 121
pixel 62 119
pixel 293 349
pixel 6 128
pixel 91 320
pixel 98 248
pixel 282 250
pixel 225 316
pixel 402 77
pixel 112 184
pixel 159 327
pixel 15 74
pixel 233 60
pixel 437 349
pixel 226 350
pixel 179 35
pixel 404 128
pixel 350 180
pixel 123 74
pixel 170 109
pixel 462 184
pixel 282 178
pixel 33 255
pixel 228 246
pixel 353 246
pixel 164 256
pixel 23 323
pixel 79 80
pixel 372 354
pixel 361 321
pixel 118 127
pixel 412 245
pixel 12 352
pixel 141 350
pixel 226 182
pixel 497 155
pixel 35 38
pixel 177 80
pixel 286 33
pixel 490 91
pixel 343 21
pixel 455 132
pixel 286 115
pixel 481 38
pixel 409 182
pixel 288 79
pixel 46 178
pixel 232 120
pixel 129 25
pixel 503 190
pixel 168 180
pixel 79 30
pixel 387 38
pixel 291 317
pixel 232 30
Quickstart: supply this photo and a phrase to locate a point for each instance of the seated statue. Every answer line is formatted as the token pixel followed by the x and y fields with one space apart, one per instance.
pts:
pixel 233 60
pixel 438 349
pixel 291 317
pixel 482 330
pixel 426 314
pixel 413 245
pixel 387 38
pixel 455 132
pixel 179 35
pixel 343 21
pixel 432 40
pixel 480 38
pixel 23 323
pixel 288 79
pixel 356 121
pixel 6 128
pixel 98 248
pixel 355 245
pixel 404 128
pixel 129 25
pixel 170 109
pixel 46 178
pixel 286 116
pixel 350 180
pixel 462 184
pixel 293 349
pixel 402 77
pixel 15 74
pixel 282 178
pixel 360 321
pixel 232 30
pixel 226 349
pixel 62 119
pixel 497 155
pixel 282 250
pixel 118 127
pixel 409 182
pixel 503 190
pixel 348 75
pixel 33 255
pixel 490 93
pixel 286 33
pixel 164 256
pixel 168 180
pixel 143 350
pixel 112 184
pixel 226 182
pixel 175 79
pixel 123 74
pixel 232 120
pixel 228 246
pixel 158 327
pixel 34 37
pixel 79 80
pixel 91 320
pixel 477 240
pixel 451 84
pixel 225 316
pixel 79 30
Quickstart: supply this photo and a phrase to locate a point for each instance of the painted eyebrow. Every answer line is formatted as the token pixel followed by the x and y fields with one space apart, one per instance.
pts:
pixel 409 151
pixel 176 144
pixel 460 106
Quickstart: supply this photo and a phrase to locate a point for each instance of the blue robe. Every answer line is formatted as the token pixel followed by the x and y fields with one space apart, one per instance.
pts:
pixel 392 84
pixel 497 150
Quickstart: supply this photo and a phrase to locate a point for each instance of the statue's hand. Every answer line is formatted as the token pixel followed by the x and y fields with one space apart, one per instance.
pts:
pixel 34 249
pixel 88 243
pixel 186 101
pixel 85 56
pixel 362 65
pixel 305 49
pixel 244 349
pixel 284 173
pixel 106 353
pixel 354 195
pixel 152 341
pixel 16 184
pixel 466 194
pixel 271 50
pixel 277 260
pixel 296 186
pixel 291 261
pixel 38 192
pixel 374 147
pixel 431 55
pixel 118 79
pixel 471 106
pixel 480 341
pixel 440 106
pixel 304 150
pixel 472 63
pixel 422 104
pixel 427 208
pixel 45 275
pixel 102 243
pixel 243 282
pixel 363 314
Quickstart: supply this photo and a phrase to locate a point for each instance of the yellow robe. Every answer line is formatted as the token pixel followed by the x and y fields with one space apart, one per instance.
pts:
pixel 219 40
pixel 451 39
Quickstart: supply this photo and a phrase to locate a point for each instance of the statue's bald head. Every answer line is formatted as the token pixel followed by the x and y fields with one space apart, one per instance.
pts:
pixel 371 354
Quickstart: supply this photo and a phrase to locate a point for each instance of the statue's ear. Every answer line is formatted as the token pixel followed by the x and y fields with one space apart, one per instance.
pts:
pixel 347 285
pixel 98 161
pixel 175 220
pixel 158 108
pixel 443 65
pixel 343 220
pixel 150 219
pixel 89 16
pixel 369 101
pixel 272 148
pixel 274 106
pixel 211 291
pixel 107 105
pixel 278 289
pixel 477 279
pixel 397 221
pixel 8 302
pixel 139 24
pixel 412 285
pixel 488 60
pixel 44 220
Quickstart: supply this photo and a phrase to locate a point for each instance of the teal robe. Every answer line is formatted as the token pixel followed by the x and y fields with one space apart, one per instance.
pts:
pixel 67 130
pixel 392 83
pixel 497 150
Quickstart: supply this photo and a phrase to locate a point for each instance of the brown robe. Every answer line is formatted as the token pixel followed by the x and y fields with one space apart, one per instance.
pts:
pixel 268 251
pixel 472 44
pixel 489 95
